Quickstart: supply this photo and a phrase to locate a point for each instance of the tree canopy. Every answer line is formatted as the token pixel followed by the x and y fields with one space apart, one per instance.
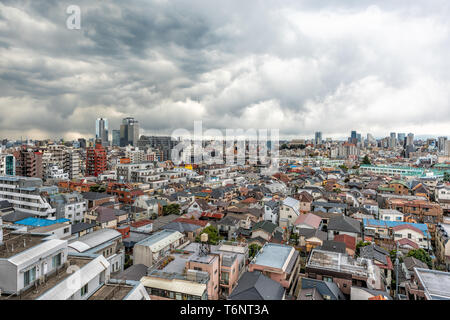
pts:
pixel 422 255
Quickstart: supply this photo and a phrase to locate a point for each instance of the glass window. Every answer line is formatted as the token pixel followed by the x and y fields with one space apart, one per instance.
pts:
pixel 84 290
pixel 56 260
pixel 29 276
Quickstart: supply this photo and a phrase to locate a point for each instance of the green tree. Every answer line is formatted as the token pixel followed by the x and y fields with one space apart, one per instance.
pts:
pixel 213 235
pixel 173 208
pixel 98 188
pixel 361 244
pixel 284 146
pixel 366 160
pixel 422 255
pixel 253 249
pixel 446 176
pixel 343 167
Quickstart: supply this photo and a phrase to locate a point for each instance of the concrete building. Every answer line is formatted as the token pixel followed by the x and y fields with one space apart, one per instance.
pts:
pixel 278 262
pixel 7 165
pixel 27 195
pixel 152 249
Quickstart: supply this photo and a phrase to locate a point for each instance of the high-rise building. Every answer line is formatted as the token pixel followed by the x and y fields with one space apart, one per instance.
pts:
pixel 82 143
pixel 28 163
pixel 101 131
pixel 353 137
pixel 7 165
pixel 410 139
pixel 318 138
pixel 401 138
pixel 129 132
pixel 447 148
pixel 116 138
pixel 441 143
pixel 393 140
pixel 96 160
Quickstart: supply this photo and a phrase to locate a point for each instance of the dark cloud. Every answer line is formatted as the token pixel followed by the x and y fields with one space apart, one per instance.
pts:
pixel 299 66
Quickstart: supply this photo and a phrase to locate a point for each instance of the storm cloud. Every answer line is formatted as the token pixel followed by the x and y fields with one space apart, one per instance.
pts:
pixel 297 66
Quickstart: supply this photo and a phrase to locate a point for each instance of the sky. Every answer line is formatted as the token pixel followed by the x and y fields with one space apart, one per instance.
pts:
pixel 297 66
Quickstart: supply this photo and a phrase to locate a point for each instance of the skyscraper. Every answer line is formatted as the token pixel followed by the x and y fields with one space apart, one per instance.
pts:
pixel 318 138
pixel 101 131
pixel 441 143
pixel 129 132
pixel 116 138
pixel 401 138
pixel 393 140
pixel 410 139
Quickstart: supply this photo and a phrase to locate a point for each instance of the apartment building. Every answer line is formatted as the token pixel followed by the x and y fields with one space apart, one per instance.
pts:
pixel 28 163
pixel 28 195
pixel 7 165
pixel 71 206
pixel 343 270
pixel 278 262
pixel 152 249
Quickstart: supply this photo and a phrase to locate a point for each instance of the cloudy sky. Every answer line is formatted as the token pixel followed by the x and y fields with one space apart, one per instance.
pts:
pixel 297 66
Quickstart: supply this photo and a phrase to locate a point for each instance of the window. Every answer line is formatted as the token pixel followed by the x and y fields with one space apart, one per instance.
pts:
pixel 328 279
pixel 66 230
pixel 84 290
pixel 409 235
pixel 56 261
pixel 29 276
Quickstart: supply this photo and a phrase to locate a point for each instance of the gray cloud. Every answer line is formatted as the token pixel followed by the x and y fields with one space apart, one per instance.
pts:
pixel 299 66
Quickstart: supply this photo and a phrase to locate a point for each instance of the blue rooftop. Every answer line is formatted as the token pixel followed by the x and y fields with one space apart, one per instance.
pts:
pixel 389 224
pixel 38 222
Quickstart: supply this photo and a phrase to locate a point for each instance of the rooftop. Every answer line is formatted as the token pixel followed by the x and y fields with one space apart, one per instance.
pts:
pixel 15 243
pixel 436 283
pixel 273 255
pixel 112 292
pixel 51 281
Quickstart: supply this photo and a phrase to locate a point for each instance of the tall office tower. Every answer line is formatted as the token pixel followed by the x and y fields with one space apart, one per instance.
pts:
pixel 370 139
pixel 95 160
pixel 447 148
pixel 101 131
pixel 318 137
pixel 116 138
pixel 129 132
pixel 410 139
pixel 441 143
pixel 401 138
pixel 82 143
pixel 353 137
pixel 7 165
pixel 28 163
pixel 393 140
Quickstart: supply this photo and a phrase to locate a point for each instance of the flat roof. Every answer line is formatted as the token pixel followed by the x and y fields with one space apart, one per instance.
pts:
pixel 161 239
pixel 273 255
pixel 436 283
pixel 175 285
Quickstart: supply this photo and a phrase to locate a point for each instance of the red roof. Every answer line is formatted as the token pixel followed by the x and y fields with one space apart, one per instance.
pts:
pixel 350 242
pixel 212 215
pixel 201 223
pixel 309 219
pixel 407 226
pixel 405 241
pixel 141 223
